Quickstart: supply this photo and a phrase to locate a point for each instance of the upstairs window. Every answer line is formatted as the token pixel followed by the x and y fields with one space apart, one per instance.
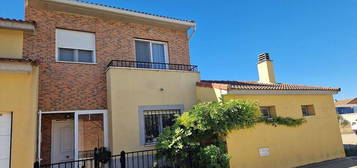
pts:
pixel 268 111
pixel 307 110
pixel 75 46
pixel 151 51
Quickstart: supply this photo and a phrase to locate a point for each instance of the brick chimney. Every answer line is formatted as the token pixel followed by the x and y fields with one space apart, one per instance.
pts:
pixel 265 69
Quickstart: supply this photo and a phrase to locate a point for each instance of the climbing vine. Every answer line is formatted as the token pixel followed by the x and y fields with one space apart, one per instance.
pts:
pixel 198 136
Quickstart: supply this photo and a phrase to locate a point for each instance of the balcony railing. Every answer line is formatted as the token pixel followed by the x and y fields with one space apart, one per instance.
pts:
pixel 152 65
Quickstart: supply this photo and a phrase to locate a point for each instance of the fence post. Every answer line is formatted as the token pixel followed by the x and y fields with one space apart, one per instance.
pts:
pixel 122 159
pixel 36 164
pixel 96 160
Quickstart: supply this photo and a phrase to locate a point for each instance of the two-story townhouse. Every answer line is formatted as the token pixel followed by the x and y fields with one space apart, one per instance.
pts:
pixel 18 96
pixel 97 84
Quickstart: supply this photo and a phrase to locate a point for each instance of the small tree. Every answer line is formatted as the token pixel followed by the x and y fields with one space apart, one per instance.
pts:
pixel 342 121
pixel 198 136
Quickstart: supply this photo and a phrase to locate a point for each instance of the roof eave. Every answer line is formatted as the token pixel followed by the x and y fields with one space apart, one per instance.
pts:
pixel 281 92
pixel 182 23
pixel 16 25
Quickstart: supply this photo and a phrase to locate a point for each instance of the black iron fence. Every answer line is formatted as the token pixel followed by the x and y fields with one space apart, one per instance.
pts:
pixel 83 163
pixel 152 65
pixel 104 159
pixel 139 159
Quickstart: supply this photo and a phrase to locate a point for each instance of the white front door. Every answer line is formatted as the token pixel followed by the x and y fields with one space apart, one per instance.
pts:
pixel 5 139
pixel 62 141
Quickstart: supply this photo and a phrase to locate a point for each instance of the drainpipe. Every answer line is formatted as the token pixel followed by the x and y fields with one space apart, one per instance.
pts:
pixel 192 33
pixel 39 137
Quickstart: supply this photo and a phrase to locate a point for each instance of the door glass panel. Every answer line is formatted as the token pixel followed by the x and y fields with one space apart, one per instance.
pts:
pixel 90 134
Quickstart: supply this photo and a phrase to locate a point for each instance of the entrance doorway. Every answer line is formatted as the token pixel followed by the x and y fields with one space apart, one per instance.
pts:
pixel 62 141
pixel 71 135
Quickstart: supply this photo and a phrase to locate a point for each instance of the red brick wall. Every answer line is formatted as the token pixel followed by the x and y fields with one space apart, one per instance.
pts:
pixel 71 86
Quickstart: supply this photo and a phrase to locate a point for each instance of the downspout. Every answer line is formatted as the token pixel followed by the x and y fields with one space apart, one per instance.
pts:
pixel 192 33
pixel 39 133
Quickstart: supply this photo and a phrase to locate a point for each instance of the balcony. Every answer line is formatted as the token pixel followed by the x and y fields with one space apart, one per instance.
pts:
pixel 152 65
pixel 133 84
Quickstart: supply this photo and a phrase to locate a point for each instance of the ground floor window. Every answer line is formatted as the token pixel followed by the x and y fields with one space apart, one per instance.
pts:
pixel 155 119
pixel 268 111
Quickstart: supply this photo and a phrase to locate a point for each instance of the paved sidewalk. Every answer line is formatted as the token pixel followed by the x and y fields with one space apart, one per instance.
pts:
pixel 348 162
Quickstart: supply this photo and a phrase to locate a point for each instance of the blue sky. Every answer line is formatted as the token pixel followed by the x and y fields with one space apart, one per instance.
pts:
pixel 312 42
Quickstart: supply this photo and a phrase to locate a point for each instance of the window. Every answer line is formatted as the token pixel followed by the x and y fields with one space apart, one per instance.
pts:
pixel 151 51
pixel 307 110
pixel 75 46
pixel 155 119
pixel 268 111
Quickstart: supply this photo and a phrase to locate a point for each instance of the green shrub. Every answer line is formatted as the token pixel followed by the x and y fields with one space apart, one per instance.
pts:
pixel 197 139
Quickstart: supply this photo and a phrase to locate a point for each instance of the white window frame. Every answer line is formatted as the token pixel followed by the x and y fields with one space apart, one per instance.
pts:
pixel 76 113
pixel 142 109
pixel 75 50
pixel 154 42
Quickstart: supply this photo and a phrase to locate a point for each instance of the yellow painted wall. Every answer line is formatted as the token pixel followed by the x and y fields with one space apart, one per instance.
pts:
pixel 205 94
pixel 11 43
pixel 317 140
pixel 130 88
pixel 18 94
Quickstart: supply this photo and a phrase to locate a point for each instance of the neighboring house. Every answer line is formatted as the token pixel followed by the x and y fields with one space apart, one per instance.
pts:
pixel 347 108
pixel 114 77
pixel 281 146
pixel 18 96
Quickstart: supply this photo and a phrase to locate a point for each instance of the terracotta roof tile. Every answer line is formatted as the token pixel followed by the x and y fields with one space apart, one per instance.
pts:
pixel 250 85
pixel 346 101
pixel 92 3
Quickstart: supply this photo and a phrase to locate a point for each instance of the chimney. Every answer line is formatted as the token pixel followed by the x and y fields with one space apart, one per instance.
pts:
pixel 265 69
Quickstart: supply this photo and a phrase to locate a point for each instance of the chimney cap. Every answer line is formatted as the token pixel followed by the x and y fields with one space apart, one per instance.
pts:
pixel 263 57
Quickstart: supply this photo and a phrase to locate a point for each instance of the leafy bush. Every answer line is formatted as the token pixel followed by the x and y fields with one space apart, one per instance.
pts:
pixel 343 122
pixel 197 139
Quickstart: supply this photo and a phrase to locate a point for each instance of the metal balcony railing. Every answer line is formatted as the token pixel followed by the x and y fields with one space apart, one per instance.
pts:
pixel 152 65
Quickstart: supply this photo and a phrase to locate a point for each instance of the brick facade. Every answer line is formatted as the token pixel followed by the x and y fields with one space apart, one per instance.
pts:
pixel 74 86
